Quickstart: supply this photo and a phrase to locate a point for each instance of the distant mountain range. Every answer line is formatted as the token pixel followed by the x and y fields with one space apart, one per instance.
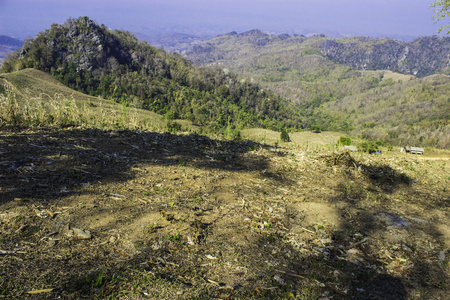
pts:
pixel 173 41
pixel 8 45
pixel 420 57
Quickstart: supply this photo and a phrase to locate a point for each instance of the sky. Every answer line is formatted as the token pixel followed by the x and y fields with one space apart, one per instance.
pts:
pixel 26 18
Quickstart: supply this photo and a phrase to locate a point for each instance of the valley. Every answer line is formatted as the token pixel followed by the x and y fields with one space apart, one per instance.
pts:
pixel 129 172
pixel 347 84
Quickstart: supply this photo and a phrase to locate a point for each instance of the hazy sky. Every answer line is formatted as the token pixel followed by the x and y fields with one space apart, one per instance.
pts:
pixel 21 18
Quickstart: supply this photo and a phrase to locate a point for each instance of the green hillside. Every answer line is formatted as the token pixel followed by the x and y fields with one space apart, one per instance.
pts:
pixel 323 77
pixel 415 112
pixel 96 61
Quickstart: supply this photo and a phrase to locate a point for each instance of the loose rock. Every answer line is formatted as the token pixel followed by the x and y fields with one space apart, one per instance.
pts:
pixel 81 235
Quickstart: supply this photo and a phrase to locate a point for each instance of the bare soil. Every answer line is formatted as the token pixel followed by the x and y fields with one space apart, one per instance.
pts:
pixel 189 217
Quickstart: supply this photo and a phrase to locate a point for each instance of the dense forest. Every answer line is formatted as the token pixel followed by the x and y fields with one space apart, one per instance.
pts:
pixel 113 64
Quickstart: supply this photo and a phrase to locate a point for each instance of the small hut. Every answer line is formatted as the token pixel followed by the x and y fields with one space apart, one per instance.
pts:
pixel 414 150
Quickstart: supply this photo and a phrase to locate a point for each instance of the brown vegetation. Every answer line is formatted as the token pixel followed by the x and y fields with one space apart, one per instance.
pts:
pixel 186 216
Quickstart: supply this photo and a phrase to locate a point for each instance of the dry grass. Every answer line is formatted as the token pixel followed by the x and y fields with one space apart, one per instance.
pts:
pixel 188 217
pixel 61 111
pixel 31 83
pixel 34 98
pixel 396 76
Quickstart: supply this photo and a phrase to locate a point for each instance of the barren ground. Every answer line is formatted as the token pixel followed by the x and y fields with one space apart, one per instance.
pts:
pixel 189 217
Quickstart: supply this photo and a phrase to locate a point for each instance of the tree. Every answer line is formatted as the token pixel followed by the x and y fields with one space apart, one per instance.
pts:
pixel 6 67
pixel 284 136
pixel 368 147
pixel 442 10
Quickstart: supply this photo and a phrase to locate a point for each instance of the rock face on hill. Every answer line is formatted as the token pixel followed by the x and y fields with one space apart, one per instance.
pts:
pixel 421 57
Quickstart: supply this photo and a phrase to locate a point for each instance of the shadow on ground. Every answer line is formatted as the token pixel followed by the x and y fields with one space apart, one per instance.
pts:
pixel 253 258
pixel 51 164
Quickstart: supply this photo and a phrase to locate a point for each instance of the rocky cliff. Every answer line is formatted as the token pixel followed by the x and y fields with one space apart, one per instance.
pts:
pixel 421 57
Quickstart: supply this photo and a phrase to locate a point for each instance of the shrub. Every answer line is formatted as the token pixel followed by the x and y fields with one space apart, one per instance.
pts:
pixel 285 136
pixel 236 135
pixel 368 147
pixel 344 141
pixel 173 126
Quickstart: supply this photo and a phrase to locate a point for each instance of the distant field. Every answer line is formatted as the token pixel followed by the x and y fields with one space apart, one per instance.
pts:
pixel 390 75
pixel 396 76
pixel 305 138
pixel 431 153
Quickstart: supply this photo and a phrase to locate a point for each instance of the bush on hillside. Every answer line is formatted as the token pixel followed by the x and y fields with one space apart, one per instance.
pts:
pixel 368 147
pixel 344 141
pixel 284 136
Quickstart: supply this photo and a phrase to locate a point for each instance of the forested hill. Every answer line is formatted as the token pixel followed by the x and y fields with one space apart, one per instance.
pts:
pixel 347 84
pixel 422 57
pixel 95 60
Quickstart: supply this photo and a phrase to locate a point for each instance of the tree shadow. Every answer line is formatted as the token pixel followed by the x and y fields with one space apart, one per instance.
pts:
pixel 52 164
pixel 379 176
pixel 337 265
pixel 379 225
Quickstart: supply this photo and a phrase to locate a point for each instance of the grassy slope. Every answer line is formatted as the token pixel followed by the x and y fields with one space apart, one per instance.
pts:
pixel 37 86
pixel 31 83
pixel 38 89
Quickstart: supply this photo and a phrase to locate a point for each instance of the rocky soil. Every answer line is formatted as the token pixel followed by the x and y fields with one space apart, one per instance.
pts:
pixel 144 215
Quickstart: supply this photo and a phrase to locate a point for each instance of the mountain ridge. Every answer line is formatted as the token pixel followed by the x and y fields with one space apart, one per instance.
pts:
pixel 421 57
pixel 8 45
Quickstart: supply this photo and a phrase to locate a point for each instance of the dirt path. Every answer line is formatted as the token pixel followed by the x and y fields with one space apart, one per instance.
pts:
pixel 433 158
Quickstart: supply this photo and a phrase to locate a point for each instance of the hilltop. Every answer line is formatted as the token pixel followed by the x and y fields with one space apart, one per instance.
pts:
pixel 97 213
